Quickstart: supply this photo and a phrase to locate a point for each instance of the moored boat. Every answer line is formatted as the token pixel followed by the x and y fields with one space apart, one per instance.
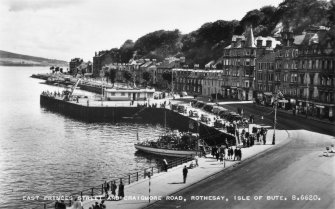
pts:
pixel 175 144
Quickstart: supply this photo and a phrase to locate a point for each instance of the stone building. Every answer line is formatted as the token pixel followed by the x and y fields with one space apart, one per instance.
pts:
pixel 103 58
pixel 74 63
pixel 309 68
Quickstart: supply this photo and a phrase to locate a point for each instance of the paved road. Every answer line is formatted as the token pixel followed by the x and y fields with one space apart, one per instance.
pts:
pixel 296 168
pixel 284 120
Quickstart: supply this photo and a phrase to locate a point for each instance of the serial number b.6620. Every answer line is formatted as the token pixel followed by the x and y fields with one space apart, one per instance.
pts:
pixel 305 197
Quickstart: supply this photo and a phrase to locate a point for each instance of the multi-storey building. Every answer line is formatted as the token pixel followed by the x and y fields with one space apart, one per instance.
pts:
pixel 238 63
pixel 103 58
pixel 189 80
pixel 74 63
pixel 167 65
pixel 212 83
pixel 265 75
pixel 306 63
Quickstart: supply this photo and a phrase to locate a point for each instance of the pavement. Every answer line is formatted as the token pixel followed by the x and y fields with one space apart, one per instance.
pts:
pixel 166 183
pixel 284 177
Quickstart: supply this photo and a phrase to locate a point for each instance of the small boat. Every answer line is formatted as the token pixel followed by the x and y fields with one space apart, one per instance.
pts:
pixel 174 144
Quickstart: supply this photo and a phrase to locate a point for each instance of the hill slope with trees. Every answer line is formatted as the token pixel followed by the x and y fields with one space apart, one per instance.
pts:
pixel 206 43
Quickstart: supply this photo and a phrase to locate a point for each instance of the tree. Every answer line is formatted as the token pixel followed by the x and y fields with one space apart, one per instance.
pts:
pixel 146 76
pixel 107 75
pixel 128 76
pixel 112 75
pixel 167 75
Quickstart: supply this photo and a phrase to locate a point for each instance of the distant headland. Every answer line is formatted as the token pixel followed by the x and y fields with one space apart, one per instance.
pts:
pixel 13 59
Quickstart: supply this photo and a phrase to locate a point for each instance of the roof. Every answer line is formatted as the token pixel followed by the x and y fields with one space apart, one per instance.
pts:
pixel 250 40
pixel 147 64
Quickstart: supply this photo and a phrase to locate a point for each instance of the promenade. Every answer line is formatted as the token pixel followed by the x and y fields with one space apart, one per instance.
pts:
pixel 165 184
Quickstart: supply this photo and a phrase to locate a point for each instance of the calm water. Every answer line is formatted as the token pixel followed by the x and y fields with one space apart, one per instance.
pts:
pixel 42 152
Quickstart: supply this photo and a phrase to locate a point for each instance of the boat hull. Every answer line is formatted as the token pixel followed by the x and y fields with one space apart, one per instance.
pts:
pixel 166 152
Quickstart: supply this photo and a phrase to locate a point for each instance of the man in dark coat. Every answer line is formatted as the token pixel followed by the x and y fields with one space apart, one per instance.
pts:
pixel 185 171
pixel 113 188
pixel 121 190
pixel 236 156
pixel 165 165
pixel 61 205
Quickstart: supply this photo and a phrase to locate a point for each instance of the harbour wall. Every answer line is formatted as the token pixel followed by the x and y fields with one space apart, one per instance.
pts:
pixel 172 119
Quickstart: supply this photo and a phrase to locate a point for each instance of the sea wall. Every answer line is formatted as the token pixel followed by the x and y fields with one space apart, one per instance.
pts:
pixel 172 119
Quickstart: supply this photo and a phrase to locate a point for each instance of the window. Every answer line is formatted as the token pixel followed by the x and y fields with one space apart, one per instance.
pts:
pixel 285 77
pixel 247 62
pixel 259 75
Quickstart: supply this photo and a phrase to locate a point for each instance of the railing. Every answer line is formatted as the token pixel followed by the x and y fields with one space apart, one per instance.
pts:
pixel 98 190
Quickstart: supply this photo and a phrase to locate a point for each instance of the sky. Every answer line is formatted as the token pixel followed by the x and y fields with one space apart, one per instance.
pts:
pixel 64 29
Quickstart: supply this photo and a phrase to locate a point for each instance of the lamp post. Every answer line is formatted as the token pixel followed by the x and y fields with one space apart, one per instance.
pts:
pixel 149 175
pixel 275 119
pixel 307 95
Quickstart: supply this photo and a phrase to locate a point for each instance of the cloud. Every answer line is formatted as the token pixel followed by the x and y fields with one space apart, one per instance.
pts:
pixel 35 5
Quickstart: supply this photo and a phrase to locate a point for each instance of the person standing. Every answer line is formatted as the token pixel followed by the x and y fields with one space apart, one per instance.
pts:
pixel 236 156
pixel 113 188
pixel 105 187
pixel 221 157
pixel 185 171
pixel 77 204
pixel 196 158
pixel 121 190
pixel 108 187
pixel 165 165
pixel 240 154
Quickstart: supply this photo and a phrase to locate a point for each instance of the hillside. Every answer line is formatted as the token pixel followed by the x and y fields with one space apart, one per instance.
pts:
pixel 206 43
pixel 13 59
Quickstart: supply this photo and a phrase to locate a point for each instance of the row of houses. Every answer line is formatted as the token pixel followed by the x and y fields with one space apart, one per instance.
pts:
pixel 301 67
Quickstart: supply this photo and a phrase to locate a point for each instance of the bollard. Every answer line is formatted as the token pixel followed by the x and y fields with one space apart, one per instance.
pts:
pixel 81 195
pixel 45 206
pixel 128 179
pixel 144 173
pixel 92 193
pixel 102 188
pixel 136 176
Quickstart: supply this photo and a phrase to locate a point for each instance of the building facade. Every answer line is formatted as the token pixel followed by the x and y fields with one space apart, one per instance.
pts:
pixel 305 63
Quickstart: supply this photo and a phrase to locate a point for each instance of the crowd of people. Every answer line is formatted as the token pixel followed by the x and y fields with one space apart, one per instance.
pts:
pixel 109 194
pixel 52 94
pixel 248 139
pixel 226 153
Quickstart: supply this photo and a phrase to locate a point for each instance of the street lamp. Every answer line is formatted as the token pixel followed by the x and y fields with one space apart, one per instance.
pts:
pixel 275 119
pixel 149 175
